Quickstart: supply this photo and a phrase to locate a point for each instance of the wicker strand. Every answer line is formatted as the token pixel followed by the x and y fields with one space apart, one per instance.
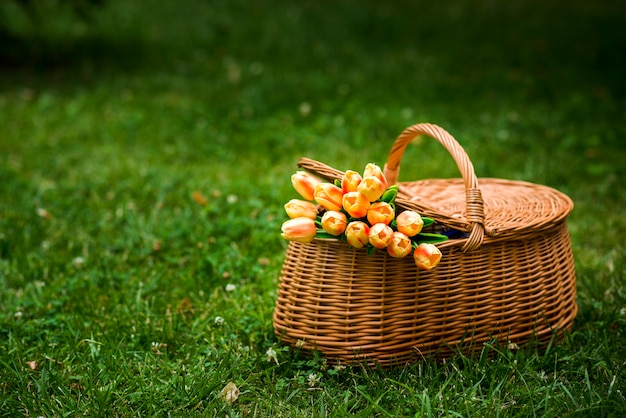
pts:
pixel 475 214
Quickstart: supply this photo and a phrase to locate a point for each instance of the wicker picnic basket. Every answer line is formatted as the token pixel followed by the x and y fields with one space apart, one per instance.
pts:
pixel 509 279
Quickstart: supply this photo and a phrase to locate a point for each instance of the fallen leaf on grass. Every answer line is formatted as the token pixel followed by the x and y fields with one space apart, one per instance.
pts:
pixel 199 198
pixel 44 213
pixel 185 305
pixel 230 393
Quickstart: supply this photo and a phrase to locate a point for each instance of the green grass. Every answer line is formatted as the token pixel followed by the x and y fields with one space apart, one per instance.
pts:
pixel 112 276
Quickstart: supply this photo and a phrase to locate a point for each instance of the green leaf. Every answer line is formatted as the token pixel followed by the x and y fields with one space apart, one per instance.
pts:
pixel 371 250
pixel 424 237
pixel 337 182
pixel 389 195
pixel 323 234
pixel 427 221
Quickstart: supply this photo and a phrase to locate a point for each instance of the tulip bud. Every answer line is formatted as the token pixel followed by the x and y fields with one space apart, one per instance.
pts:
pixel 380 235
pixel 329 196
pixel 409 223
pixel 296 208
pixel 400 245
pixel 305 183
pixel 427 256
pixel 372 188
pixel 373 170
pixel 299 229
pixel 355 204
pixel 380 212
pixel 357 234
pixel 334 222
pixel 350 181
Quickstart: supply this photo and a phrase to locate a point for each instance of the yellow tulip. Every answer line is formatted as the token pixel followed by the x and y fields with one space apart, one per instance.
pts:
pixel 427 256
pixel 334 222
pixel 372 188
pixel 296 208
pixel 380 212
pixel 355 204
pixel 299 229
pixel 305 183
pixel 329 196
pixel 373 170
pixel 409 223
pixel 357 234
pixel 350 181
pixel 380 235
pixel 400 245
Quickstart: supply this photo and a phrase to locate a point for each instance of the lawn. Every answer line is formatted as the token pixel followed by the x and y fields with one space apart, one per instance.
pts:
pixel 145 158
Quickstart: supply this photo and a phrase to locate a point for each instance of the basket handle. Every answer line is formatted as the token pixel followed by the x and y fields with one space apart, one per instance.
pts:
pixel 474 209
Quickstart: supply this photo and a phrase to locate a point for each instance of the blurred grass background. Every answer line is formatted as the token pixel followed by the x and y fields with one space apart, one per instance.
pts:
pixel 109 122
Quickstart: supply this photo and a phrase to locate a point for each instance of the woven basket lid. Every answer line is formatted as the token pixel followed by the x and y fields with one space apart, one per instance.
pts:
pixel 510 207
pixel 486 208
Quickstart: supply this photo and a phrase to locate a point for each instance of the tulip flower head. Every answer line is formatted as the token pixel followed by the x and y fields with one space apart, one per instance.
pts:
pixel 380 212
pixel 329 196
pixel 380 235
pixel 400 245
pixel 299 229
pixel 356 204
pixel 357 234
pixel 334 222
pixel 372 188
pixel 409 223
pixel 427 256
pixel 350 181
pixel 373 170
pixel 305 183
pixel 297 208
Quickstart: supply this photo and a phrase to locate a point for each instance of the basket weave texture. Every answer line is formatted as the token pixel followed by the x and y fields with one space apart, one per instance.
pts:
pixel 511 279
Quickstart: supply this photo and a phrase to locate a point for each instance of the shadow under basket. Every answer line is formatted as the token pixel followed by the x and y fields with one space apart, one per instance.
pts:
pixel 511 279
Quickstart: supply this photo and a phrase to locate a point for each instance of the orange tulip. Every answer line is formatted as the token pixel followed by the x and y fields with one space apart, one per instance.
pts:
pixel 299 229
pixel 400 245
pixel 305 183
pixel 427 256
pixel 380 235
pixel 329 196
pixel 334 222
pixel 409 223
pixel 380 212
pixel 350 181
pixel 357 234
pixel 372 188
pixel 373 170
pixel 296 208
pixel 355 204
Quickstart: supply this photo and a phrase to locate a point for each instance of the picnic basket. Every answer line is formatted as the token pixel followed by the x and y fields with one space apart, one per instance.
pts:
pixel 509 278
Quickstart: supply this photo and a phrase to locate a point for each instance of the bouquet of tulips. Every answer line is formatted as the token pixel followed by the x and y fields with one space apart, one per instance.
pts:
pixel 360 210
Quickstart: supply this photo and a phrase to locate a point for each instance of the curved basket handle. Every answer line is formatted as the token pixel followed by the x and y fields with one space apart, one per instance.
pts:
pixel 474 209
